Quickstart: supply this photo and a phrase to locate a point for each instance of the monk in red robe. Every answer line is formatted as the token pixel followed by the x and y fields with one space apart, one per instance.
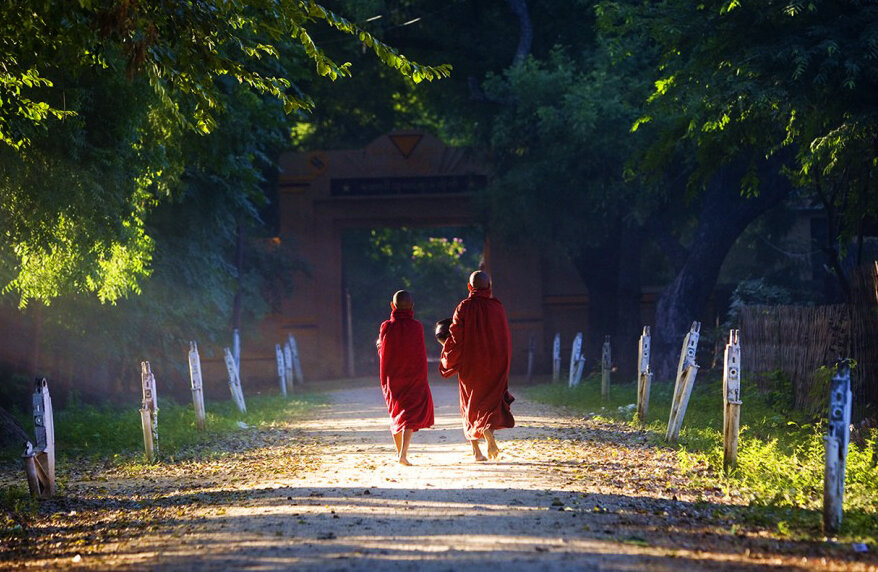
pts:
pixel 403 366
pixel 478 349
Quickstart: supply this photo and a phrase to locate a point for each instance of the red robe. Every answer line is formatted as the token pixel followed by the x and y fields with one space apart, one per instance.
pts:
pixel 403 359
pixel 478 350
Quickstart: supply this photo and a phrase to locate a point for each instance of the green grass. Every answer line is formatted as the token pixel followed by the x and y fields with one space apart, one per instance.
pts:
pixel 92 432
pixel 780 455
pixel 113 436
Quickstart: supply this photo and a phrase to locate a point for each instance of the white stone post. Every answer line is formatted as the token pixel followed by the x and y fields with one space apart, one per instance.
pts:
pixel 288 365
pixel 686 373
pixel 234 381
pixel 297 365
pixel 606 365
pixel 350 331
pixel 530 358
pixel 281 369
pixel 732 397
pixel 197 385
pixel 39 461
pixel 149 412
pixel 644 379
pixel 577 361
pixel 837 440
pixel 236 348
pixel 556 358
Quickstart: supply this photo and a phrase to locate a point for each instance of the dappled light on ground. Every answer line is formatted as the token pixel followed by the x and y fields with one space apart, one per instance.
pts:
pixel 327 493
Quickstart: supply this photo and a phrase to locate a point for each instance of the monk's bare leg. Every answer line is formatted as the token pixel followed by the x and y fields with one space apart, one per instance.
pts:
pixel 477 453
pixel 493 449
pixel 404 447
pixel 397 440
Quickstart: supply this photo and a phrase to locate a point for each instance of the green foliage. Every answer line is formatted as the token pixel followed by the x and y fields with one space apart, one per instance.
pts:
pixel 181 53
pixel 16 505
pixel 433 264
pixel 745 82
pixel 128 84
pixel 561 142
pixel 751 292
pixel 780 459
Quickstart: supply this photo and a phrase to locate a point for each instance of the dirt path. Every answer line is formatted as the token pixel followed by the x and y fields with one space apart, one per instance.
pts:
pixel 327 494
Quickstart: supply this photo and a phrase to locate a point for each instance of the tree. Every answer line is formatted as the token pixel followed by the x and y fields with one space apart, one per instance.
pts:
pixel 561 140
pixel 194 279
pixel 748 92
pixel 433 264
pixel 64 61
pixel 789 81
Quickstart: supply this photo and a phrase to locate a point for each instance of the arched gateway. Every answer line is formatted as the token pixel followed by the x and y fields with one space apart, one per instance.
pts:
pixel 401 179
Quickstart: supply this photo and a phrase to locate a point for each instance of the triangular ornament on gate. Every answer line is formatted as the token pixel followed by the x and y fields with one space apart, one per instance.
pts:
pixel 405 142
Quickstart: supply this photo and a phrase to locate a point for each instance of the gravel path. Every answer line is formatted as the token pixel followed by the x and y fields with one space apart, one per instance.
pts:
pixel 566 493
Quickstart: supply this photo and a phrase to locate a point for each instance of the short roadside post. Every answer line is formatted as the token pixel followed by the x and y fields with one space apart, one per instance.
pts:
pixel 644 379
pixel 234 381
pixel 577 361
pixel 556 358
pixel 530 358
pixel 837 440
pixel 281 369
pixel 149 412
pixel 236 347
pixel 197 385
pixel 686 373
pixel 288 365
pixel 39 460
pixel 732 398
pixel 606 365
pixel 297 365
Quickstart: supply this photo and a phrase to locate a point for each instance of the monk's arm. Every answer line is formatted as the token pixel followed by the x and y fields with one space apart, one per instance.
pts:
pixel 452 349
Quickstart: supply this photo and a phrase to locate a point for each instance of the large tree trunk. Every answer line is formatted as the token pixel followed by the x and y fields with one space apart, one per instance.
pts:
pixel 724 216
pixel 630 319
pixel 611 274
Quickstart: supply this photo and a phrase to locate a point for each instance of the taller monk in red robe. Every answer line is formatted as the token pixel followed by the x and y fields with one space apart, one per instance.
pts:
pixel 403 369
pixel 478 350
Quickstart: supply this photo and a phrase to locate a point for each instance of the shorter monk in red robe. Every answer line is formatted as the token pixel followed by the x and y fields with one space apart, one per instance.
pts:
pixel 477 349
pixel 403 366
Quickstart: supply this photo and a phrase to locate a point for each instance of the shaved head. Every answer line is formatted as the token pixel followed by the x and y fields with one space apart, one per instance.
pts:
pixel 402 300
pixel 480 280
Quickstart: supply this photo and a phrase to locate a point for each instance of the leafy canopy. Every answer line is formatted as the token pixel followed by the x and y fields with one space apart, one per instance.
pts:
pixel 96 100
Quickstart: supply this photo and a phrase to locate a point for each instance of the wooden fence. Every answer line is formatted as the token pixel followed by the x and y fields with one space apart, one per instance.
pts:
pixel 798 340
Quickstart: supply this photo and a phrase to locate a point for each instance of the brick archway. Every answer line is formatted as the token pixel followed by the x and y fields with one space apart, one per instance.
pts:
pixel 405 178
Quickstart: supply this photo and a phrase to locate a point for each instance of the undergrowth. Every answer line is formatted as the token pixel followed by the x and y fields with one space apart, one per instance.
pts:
pixel 780 454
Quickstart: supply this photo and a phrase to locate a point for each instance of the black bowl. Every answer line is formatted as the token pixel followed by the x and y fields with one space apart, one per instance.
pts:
pixel 441 330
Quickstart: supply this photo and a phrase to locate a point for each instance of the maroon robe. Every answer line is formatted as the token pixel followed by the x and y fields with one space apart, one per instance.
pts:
pixel 478 350
pixel 403 359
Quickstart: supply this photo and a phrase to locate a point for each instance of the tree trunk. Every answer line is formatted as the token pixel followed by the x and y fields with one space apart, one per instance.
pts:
pixel 525 30
pixel 611 274
pixel 12 434
pixel 724 216
pixel 239 267
pixel 626 340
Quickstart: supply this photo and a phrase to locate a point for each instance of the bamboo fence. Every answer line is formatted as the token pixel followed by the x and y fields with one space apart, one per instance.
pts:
pixel 798 340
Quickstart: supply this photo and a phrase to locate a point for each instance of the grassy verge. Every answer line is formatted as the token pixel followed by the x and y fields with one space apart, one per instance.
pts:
pixel 780 456
pixel 90 438
pixel 105 433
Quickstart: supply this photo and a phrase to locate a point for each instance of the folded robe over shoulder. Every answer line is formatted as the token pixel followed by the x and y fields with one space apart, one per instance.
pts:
pixel 403 366
pixel 478 350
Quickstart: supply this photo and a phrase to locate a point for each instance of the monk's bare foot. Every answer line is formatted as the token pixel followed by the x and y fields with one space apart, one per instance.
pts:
pixel 404 461
pixel 477 453
pixel 493 449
